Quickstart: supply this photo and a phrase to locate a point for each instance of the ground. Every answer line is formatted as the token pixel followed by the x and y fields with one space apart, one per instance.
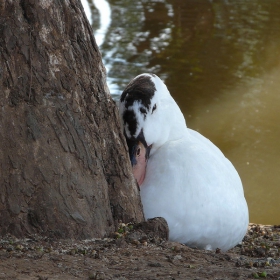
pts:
pixel 138 256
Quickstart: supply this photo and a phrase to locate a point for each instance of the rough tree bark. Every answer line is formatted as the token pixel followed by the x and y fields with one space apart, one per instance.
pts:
pixel 64 169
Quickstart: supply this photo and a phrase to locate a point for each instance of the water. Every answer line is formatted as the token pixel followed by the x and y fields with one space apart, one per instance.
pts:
pixel 221 62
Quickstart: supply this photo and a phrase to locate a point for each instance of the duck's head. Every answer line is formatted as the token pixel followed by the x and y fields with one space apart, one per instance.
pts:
pixel 148 113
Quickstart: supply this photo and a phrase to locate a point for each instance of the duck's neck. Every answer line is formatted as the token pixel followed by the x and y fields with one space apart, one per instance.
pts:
pixel 175 124
pixel 175 119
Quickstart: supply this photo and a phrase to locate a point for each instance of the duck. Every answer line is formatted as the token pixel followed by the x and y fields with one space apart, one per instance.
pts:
pixel 182 176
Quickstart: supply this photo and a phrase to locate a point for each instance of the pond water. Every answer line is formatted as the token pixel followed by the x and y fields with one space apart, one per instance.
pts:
pixel 221 62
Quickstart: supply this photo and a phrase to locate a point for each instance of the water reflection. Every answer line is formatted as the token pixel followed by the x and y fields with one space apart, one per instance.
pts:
pixel 105 20
pixel 220 61
pixel 87 10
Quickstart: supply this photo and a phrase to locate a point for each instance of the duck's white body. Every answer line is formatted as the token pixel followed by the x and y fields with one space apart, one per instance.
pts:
pixel 196 189
pixel 188 180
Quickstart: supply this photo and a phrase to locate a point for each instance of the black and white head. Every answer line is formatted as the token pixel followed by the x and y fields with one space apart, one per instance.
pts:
pixel 149 115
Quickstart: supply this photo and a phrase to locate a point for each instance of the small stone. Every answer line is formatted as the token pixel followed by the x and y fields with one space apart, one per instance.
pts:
pixel 238 263
pixel 72 252
pixel 177 257
pixel 236 274
pixel 176 249
pixel 19 247
pixel 135 242
pixel 218 251
pixel 249 265
pixel 97 276
pixel 154 264
pixel 10 249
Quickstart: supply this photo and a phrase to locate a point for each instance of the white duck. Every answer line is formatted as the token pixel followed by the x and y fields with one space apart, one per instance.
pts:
pixel 188 180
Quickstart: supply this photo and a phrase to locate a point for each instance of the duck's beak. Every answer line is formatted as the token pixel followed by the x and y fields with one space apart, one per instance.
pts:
pixel 139 154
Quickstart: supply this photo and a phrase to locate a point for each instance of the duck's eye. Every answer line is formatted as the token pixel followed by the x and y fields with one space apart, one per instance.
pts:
pixel 138 152
pixel 143 111
pixel 155 106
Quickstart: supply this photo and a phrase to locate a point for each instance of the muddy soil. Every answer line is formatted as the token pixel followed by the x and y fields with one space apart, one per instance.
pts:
pixel 130 255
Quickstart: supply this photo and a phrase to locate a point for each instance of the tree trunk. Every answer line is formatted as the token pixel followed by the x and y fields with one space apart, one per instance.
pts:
pixel 64 168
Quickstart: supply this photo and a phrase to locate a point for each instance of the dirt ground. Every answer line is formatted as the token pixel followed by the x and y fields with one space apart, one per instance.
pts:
pixel 132 256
